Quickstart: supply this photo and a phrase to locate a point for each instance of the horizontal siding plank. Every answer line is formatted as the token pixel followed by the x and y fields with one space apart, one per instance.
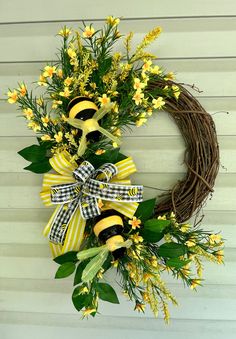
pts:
pixel 151 154
pixel 12 123
pixel 15 186
pixel 181 38
pixel 76 10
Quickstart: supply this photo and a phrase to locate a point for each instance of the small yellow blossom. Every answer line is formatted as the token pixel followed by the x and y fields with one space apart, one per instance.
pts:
pixel 184 228
pixel 158 103
pixel 147 65
pixel 68 81
pixel 115 145
pixel 100 273
pixel 100 151
pixel 170 76
pixel 64 32
pixel 66 93
pixel 138 84
pixel 88 32
pixel 88 311
pixel 214 238
pixel 117 132
pixel 161 217
pixel 49 71
pixel 146 277
pixel 115 263
pixel 135 223
pixel 140 307
pixel 190 243
pixel 58 137
pixel 22 90
pixel 138 97
pixel 84 290
pixel 176 91
pixel 100 203
pixel 71 52
pixel 28 113
pixel 12 96
pixel 195 283
pixel 42 81
pixel 34 126
pixel 149 111
pixel 145 296
pixel 142 119
pixel 136 238
pixel 104 100
pixel 220 256
pixel 154 261
pixel 45 137
pixel 111 20
pixel 60 73
pixel 40 102
pixel 56 103
pixel 45 120
pixel 155 70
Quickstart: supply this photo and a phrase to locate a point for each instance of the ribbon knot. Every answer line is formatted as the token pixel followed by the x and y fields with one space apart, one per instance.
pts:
pixel 90 186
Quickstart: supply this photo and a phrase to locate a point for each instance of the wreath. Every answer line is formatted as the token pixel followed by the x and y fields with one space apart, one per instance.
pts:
pixel 85 101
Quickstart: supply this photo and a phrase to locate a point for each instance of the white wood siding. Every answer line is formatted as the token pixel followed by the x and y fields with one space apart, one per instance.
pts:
pixel 198 43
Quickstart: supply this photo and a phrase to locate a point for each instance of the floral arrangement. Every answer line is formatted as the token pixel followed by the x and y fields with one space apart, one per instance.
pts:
pixel 85 101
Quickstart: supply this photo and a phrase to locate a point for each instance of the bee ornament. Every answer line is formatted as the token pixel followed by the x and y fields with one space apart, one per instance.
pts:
pixel 84 115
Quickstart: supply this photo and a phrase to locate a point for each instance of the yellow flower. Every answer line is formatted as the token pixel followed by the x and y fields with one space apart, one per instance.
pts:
pixel 100 273
pixel 220 256
pixel 66 93
pixel 161 217
pixel 115 145
pixel 190 243
pixel 146 277
pixel 45 120
pixel 155 70
pixel 28 113
pixel 115 263
pixel 138 84
pixel 42 81
pixel 100 151
pixel 154 261
pixel 88 311
pixel 71 52
pixel 22 90
pixel 158 103
pixel 12 97
pixel 64 32
pixel 45 137
pixel 141 120
pixel 40 101
pixel 49 71
pixel 58 137
pixel 100 203
pixel 214 238
pixel 176 91
pixel 195 283
pixel 140 307
pixel 104 100
pixel 184 228
pixel 60 73
pixel 35 127
pixel 170 76
pixel 88 32
pixel 84 290
pixel 56 103
pixel 135 223
pixel 68 81
pixel 136 238
pixel 138 96
pixel 111 20
pixel 147 65
pixel 149 111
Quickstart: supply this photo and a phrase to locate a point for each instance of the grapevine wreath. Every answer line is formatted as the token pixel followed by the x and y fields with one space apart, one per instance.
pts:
pixel 86 100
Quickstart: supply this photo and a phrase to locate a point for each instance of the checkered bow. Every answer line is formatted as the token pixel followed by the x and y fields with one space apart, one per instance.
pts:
pixel 90 185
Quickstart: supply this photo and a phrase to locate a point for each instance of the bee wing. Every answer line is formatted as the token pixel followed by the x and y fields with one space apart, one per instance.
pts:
pixel 75 123
pixel 102 111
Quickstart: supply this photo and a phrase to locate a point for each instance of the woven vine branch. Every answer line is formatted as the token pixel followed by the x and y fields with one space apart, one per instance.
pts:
pixel 201 155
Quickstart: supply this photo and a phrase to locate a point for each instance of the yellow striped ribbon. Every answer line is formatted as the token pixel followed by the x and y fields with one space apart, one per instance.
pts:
pixel 62 164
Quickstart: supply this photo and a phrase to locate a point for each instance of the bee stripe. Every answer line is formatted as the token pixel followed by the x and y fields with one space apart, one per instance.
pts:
pixel 81 106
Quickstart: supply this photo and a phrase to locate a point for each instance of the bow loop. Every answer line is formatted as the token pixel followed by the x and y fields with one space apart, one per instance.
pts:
pixel 84 171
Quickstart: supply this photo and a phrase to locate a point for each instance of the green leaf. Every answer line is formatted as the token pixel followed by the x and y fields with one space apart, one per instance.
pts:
pixel 33 153
pixel 65 270
pixel 111 156
pixel 156 225
pixel 145 209
pixel 79 272
pixel 94 265
pixel 39 167
pixel 171 250
pixel 67 257
pixel 107 293
pixel 80 300
pixel 150 236
pixel 176 262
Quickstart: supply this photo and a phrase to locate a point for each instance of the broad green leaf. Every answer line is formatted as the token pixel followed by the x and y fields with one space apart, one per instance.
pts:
pixel 145 209
pixel 107 293
pixel 111 156
pixel 150 236
pixel 80 300
pixel 156 225
pixel 90 252
pixel 176 262
pixel 39 167
pixel 79 272
pixel 94 266
pixel 33 153
pixel 67 257
pixel 65 270
pixel 171 250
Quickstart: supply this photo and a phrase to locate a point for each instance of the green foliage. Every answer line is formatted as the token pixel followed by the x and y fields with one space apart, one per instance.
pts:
pixel 107 293
pixel 39 167
pixel 145 209
pixel 81 300
pixel 172 250
pixel 33 153
pixel 176 263
pixel 65 270
pixel 112 156
pixel 67 257
pixel 79 272
pixel 153 230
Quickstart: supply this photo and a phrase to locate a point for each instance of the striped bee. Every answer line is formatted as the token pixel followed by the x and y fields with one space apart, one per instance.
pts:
pixel 55 191
pixel 77 189
pixel 132 191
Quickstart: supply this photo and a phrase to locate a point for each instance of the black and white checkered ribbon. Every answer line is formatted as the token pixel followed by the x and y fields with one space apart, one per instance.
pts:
pixel 90 186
